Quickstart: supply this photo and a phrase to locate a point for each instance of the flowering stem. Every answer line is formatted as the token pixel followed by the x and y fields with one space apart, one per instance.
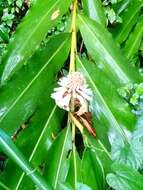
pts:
pixel 73 40
pixel 72 62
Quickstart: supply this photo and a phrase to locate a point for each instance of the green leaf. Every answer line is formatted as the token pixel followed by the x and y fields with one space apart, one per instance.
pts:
pixel 112 114
pixel 92 171
pixel 124 177
pixel 133 43
pixel 41 17
pixel 130 153
pixel 38 151
pixel 4 34
pixel 108 57
pixel 9 148
pixel 22 102
pixel 129 18
pixel 81 186
pixel 121 6
pixel 4 186
pixel 94 9
pixel 57 164
pixel 74 174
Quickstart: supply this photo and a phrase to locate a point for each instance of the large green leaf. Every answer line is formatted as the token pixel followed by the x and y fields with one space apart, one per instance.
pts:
pixel 124 178
pixel 57 163
pixel 38 151
pixel 129 18
pixel 92 171
pixel 45 121
pixel 133 43
pixel 9 148
pixel 94 9
pixel 41 17
pixel 108 57
pixel 74 174
pixel 19 99
pixel 109 108
pixel 36 139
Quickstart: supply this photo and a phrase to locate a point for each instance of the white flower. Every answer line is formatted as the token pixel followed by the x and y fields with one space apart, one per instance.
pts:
pixel 74 87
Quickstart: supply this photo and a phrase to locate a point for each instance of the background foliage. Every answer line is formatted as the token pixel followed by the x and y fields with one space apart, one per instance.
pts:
pixel 36 146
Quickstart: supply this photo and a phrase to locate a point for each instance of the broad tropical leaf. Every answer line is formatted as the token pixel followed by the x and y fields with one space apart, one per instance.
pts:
pixel 115 114
pixel 7 145
pixel 94 178
pixel 37 151
pixel 74 174
pixel 15 109
pixel 57 163
pixel 108 57
pixel 40 18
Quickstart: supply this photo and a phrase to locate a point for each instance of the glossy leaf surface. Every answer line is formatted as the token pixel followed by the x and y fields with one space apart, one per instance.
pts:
pixel 57 163
pixel 41 17
pixel 11 150
pixel 74 174
pixel 93 178
pixel 129 18
pixel 108 57
pixel 94 9
pixel 15 109
pixel 37 151
pixel 115 114
pixel 133 43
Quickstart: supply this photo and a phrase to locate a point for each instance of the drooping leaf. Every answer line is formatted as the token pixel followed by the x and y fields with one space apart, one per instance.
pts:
pixel 94 9
pixel 133 43
pixel 108 57
pixel 92 171
pixel 26 94
pixel 57 163
pixel 41 17
pixel 124 177
pixel 9 148
pixel 129 18
pixel 74 174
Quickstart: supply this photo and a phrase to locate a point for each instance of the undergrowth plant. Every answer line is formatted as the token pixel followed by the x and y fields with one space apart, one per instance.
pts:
pixel 71 95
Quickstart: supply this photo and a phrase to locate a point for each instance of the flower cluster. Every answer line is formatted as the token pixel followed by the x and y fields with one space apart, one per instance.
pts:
pixel 72 87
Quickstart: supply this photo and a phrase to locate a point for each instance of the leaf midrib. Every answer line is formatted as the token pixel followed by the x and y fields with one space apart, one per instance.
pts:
pixel 60 160
pixel 37 144
pixel 31 34
pixel 32 81
pixel 130 20
pixel 117 68
pixel 134 44
pixel 109 112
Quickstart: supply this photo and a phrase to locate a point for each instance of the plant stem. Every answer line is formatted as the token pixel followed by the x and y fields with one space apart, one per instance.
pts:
pixel 73 69
pixel 73 40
